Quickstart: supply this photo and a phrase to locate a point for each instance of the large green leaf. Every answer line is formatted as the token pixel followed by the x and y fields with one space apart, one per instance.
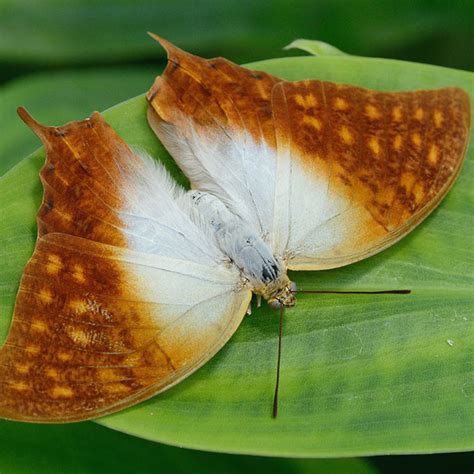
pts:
pixel 61 97
pixel 360 374
pixel 87 448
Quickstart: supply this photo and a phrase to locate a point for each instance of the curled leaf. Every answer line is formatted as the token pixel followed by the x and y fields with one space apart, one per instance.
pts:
pixel 315 48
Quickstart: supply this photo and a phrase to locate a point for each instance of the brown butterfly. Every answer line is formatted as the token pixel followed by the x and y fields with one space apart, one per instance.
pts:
pixel 135 283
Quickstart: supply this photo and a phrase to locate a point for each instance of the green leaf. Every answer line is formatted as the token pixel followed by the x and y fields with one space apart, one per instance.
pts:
pixel 61 97
pixel 87 448
pixel 316 48
pixel 360 374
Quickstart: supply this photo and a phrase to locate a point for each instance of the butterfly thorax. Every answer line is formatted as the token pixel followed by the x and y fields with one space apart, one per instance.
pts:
pixel 261 269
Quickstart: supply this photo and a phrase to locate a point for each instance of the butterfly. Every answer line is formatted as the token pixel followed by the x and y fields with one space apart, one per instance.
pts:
pixel 135 282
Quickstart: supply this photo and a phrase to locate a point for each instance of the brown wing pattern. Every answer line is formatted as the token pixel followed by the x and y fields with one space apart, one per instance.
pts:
pixel 80 344
pixel 98 327
pixel 82 194
pixel 391 156
pixel 212 93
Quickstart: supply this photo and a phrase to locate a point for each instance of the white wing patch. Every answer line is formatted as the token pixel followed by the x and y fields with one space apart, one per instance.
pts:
pixel 197 307
pixel 308 217
pixel 157 217
pixel 170 250
pixel 234 167
pixel 275 196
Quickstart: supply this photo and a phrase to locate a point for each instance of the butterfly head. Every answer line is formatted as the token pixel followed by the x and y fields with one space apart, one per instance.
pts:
pixel 283 296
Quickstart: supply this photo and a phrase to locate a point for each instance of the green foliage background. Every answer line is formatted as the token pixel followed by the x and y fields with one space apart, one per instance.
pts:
pixel 63 59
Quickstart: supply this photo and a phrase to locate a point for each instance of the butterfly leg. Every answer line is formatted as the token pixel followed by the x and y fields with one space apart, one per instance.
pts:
pixel 249 308
pixel 259 301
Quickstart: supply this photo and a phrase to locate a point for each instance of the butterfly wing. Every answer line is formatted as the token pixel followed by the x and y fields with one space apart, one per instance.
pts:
pixel 358 169
pixel 215 119
pixel 327 173
pixel 123 296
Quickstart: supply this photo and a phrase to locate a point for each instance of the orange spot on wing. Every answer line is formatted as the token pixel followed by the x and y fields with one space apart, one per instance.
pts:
pixel 38 325
pixel 52 373
pixel 306 101
pixel 64 356
pixel 22 368
pixel 372 112
pixel 45 295
pixel 416 138
pixel 116 388
pixel 78 273
pixel 61 391
pixel 67 216
pixel 438 118
pixel 433 154
pixel 407 180
pixel 32 349
pixel 20 386
pixel 397 113
pixel 419 113
pixel 312 121
pixel 340 104
pixel 418 192
pixel 397 142
pixel 78 306
pixel 346 135
pixel 374 145
pixel 54 264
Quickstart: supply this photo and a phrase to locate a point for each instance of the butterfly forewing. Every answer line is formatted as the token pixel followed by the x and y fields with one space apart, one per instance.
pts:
pixel 82 180
pixel 370 164
pixel 215 118
pixel 215 93
pixel 100 324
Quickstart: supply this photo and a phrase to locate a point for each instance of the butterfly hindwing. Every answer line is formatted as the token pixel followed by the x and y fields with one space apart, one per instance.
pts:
pixel 113 306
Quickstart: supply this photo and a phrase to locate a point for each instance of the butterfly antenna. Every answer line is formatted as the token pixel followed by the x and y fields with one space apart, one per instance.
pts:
pixel 277 383
pixel 343 292
pixel 282 310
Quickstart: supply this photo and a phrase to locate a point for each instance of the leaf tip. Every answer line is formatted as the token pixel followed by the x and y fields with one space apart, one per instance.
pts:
pixel 316 48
